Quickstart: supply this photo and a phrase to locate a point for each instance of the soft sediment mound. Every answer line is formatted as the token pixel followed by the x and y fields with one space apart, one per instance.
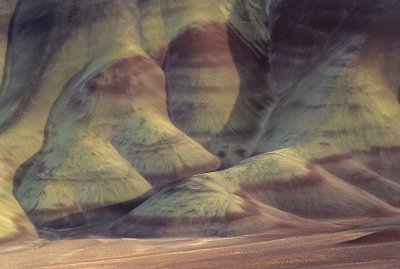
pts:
pixel 217 71
pixel 144 134
pixel 325 131
pixel 37 66
pixel 89 175
pixel 343 114
pixel 41 58
pixel 202 206
pixel 117 110
pixel 298 99
pixel 280 184
pixel 295 185
pixel 107 131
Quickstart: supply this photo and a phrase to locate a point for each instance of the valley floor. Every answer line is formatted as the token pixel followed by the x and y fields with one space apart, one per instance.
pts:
pixel 367 247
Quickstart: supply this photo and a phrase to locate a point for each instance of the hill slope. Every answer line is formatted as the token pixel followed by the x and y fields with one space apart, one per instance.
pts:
pixel 155 118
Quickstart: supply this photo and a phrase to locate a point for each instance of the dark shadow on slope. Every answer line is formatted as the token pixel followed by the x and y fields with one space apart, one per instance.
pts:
pixel 383 236
pixel 34 39
pixel 252 62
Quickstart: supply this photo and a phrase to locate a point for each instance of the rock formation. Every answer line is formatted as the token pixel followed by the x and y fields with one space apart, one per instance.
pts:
pixel 159 117
pixel 330 147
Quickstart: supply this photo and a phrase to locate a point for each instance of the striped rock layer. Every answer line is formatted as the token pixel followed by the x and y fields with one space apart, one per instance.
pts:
pixel 329 150
pixel 206 117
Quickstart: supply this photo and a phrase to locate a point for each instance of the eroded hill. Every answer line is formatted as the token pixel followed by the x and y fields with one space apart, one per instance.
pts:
pixel 156 118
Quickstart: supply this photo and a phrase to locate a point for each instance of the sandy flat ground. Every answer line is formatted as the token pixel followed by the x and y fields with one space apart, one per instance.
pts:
pixel 362 248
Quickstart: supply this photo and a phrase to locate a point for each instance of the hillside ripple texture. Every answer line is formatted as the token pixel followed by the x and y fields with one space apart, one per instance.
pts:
pixel 151 118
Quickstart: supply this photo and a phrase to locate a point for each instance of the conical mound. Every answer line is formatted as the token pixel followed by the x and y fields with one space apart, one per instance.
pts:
pixel 263 192
pixel 121 113
pixel 110 115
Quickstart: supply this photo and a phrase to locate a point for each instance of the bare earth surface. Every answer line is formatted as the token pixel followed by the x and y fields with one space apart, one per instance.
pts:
pixel 184 119
pixel 362 248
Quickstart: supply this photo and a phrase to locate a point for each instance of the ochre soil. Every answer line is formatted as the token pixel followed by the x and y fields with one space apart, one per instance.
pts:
pixel 363 248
